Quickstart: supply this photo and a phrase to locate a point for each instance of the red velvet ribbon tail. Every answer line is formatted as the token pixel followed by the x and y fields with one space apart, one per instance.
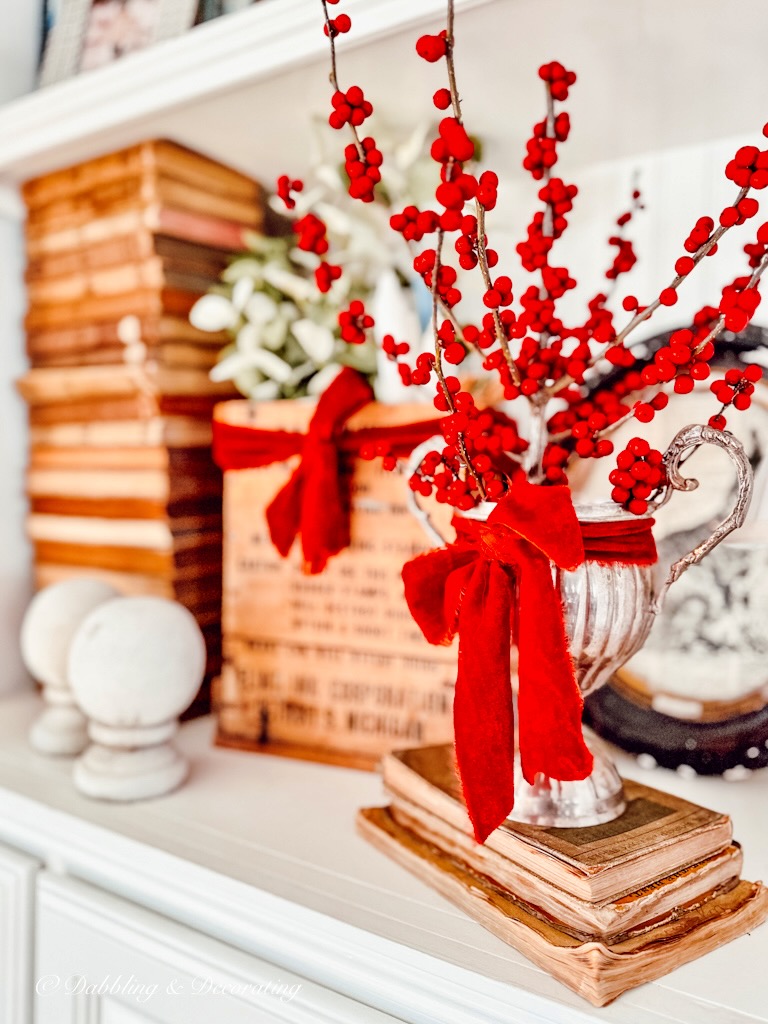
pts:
pixel 549 701
pixel 284 512
pixel 482 710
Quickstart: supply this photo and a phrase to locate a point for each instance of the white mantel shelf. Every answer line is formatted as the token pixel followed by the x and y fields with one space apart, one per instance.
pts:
pixel 262 853
pixel 244 88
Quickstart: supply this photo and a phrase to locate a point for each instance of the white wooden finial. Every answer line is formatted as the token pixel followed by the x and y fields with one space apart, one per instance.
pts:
pixel 49 626
pixel 134 666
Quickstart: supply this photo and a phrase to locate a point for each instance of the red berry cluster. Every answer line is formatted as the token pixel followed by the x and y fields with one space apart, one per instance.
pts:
pixel 393 350
pixel 624 259
pixel 354 322
pixel 311 234
pixel 735 390
pixel 558 79
pixel 413 223
pixel 499 294
pixel 432 48
pixel 488 437
pixel 700 235
pixel 757 250
pixel 350 107
pixel 681 361
pixel 424 264
pixel 738 304
pixel 325 275
pixel 749 167
pixel 452 143
pixel 379 450
pixel 639 474
pixel 285 186
pixel 362 166
pixel 338 26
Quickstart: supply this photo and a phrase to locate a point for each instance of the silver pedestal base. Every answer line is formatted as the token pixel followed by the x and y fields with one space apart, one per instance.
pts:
pixel 591 801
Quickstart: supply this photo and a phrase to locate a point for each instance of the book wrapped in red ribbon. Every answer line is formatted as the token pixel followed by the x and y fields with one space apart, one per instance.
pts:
pixel 322 658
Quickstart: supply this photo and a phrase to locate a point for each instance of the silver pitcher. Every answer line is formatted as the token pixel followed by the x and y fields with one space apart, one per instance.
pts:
pixel 608 611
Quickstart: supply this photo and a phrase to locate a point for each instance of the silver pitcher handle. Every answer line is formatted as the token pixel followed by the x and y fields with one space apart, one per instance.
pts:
pixel 688 440
pixel 415 460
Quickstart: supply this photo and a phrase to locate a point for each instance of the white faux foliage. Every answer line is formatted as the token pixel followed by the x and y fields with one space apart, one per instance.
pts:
pixel 230 366
pixel 242 290
pixel 285 331
pixel 243 268
pixel 260 308
pixel 317 341
pixel 323 378
pixel 297 288
pixel 264 391
pixel 270 365
pixel 213 313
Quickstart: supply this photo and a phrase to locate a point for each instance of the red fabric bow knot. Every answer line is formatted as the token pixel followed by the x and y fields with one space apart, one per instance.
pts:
pixel 314 501
pixel 494 579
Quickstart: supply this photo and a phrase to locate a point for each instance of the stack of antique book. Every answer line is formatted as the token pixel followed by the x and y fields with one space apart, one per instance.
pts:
pixel 121 482
pixel 604 908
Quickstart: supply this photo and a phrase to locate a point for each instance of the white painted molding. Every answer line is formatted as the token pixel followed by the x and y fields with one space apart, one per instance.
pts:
pixel 17 901
pixel 86 932
pixel 253 44
pixel 390 977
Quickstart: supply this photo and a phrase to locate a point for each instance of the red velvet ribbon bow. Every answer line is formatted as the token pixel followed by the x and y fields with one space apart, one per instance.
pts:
pixel 494 578
pixel 314 502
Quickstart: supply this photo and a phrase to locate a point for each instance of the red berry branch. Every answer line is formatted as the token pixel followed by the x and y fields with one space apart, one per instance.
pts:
pixel 535 354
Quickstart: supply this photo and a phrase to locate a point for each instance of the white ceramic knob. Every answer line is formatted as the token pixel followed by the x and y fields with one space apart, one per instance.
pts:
pixel 135 664
pixel 50 623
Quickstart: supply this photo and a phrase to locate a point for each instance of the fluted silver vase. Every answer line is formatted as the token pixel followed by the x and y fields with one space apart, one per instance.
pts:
pixel 608 611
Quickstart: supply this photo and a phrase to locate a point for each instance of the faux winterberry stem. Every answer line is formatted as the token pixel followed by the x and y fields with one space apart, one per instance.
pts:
pixel 460 443
pixel 334 77
pixel 482 254
pixel 482 262
pixel 650 309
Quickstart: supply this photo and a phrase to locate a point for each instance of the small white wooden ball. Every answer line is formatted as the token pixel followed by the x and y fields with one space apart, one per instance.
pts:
pixel 53 617
pixel 137 662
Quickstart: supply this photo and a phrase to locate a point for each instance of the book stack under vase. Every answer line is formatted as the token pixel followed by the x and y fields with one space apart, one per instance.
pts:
pixel 603 909
pixel 121 482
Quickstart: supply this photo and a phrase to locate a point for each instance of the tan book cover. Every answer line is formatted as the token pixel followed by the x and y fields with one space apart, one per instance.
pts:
pixel 147 406
pixel 657 835
pixel 152 272
pixel 177 255
pixel 42 386
pixel 198 512
pixel 201 227
pixel 117 484
pixel 144 302
pixel 135 193
pixel 190 585
pixel 124 558
pixel 178 431
pixel 153 331
pixel 150 158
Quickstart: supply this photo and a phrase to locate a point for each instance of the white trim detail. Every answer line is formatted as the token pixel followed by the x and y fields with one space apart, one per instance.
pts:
pixel 17 901
pixel 253 44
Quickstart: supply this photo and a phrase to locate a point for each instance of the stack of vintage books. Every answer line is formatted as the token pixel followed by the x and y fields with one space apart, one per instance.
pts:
pixel 603 909
pixel 121 482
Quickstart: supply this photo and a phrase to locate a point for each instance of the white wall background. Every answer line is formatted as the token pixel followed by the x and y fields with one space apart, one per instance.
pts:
pixel 19 43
